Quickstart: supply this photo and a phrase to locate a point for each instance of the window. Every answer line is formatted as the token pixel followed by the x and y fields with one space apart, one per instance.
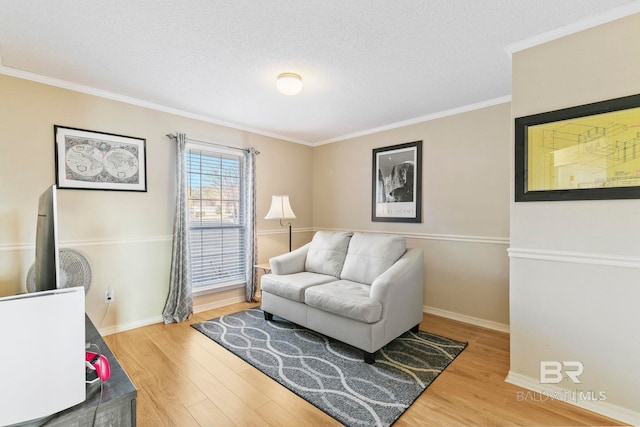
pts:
pixel 217 225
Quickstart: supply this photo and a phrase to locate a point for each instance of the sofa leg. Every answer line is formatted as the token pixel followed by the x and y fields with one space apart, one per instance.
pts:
pixel 416 328
pixel 369 358
pixel 268 316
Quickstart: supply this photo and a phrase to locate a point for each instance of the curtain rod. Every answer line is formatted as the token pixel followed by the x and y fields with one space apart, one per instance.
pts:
pixel 172 136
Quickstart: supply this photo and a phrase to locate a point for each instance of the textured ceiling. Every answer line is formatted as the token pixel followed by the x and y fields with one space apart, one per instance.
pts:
pixel 366 64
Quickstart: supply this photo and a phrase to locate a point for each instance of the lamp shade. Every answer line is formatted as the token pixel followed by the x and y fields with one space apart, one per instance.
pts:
pixel 280 208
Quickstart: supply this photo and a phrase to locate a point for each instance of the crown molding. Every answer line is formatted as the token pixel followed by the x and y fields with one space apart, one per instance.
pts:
pixel 611 15
pixel 420 119
pixel 50 81
pixel 575 27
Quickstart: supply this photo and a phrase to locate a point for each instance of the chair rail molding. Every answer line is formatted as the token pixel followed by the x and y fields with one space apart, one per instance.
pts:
pixel 610 260
pixel 82 243
pixel 428 236
pixel 284 231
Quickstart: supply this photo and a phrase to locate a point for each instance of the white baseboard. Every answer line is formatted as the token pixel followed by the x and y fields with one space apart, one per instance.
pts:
pixel 546 391
pixel 489 324
pixel 240 298
pixel 157 319
pixel 128 326
pixel 217 304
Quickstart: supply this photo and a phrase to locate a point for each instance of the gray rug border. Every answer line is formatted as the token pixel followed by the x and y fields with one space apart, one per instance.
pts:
pixel 195 326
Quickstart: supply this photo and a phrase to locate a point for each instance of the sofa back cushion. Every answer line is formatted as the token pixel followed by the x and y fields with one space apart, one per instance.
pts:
pixel 327 252
pixel 370 255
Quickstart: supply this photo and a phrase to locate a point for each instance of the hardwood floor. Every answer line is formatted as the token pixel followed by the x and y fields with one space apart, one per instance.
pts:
pixel 185 379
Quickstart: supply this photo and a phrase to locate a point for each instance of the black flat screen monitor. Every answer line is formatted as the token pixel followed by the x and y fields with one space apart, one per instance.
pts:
pixel 47 264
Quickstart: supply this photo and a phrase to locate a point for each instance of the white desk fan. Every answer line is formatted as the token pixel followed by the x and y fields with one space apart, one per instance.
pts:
pixel 74 271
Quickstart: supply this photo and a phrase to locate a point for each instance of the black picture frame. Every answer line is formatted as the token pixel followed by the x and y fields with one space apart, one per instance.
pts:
pixel 396 183
pixel 588 152
pixel 90 160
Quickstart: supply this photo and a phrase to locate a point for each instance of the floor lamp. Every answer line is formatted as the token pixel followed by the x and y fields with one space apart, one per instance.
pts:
pixel 281 209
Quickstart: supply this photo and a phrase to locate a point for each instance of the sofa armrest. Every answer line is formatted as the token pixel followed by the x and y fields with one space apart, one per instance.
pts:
pixel 291 262
pixel 400 289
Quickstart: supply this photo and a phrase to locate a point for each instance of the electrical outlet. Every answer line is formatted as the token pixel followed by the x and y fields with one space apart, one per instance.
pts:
pixel 108 296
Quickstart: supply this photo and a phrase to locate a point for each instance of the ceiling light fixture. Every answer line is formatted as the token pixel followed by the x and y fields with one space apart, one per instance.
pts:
pixel 289 83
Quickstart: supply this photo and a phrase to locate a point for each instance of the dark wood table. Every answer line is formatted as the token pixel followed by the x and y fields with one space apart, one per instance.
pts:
pixel 118 404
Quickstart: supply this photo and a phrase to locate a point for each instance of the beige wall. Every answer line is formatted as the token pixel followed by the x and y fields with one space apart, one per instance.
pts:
pixel 126 236
pixel 465 190
pixel 575 266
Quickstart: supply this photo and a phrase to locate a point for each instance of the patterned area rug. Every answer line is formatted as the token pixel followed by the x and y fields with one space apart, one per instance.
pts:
pixel 332 375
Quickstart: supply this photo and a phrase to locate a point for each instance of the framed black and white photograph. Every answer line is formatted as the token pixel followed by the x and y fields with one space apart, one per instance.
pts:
pixel 396 183
pixel 92 160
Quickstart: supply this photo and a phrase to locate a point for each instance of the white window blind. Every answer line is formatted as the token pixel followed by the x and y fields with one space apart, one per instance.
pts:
pixel 216 217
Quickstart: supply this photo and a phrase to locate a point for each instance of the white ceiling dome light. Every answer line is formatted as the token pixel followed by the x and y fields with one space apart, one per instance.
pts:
pixel 289 83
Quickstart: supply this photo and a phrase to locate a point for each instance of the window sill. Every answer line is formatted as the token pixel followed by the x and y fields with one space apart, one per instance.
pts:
pixel 212 289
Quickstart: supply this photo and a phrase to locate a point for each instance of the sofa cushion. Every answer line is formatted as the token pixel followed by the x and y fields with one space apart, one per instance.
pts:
pixel 345 298
pixel 292 286
pixel 327 251
pixel 370 255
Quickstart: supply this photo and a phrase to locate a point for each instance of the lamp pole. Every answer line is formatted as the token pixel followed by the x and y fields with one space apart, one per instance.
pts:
pixel 287 225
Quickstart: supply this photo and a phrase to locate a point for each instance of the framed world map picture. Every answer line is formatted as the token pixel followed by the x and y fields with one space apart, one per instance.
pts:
pixel 92 160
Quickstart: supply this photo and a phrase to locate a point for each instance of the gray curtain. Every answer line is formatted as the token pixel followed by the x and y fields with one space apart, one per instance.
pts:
pixel 251 243
pixel 180 302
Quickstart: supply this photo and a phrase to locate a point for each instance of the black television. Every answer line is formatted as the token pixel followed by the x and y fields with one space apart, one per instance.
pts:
pixel 47 263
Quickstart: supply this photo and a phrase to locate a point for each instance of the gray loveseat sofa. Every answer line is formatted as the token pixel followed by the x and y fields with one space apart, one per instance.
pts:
pixel 364 289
